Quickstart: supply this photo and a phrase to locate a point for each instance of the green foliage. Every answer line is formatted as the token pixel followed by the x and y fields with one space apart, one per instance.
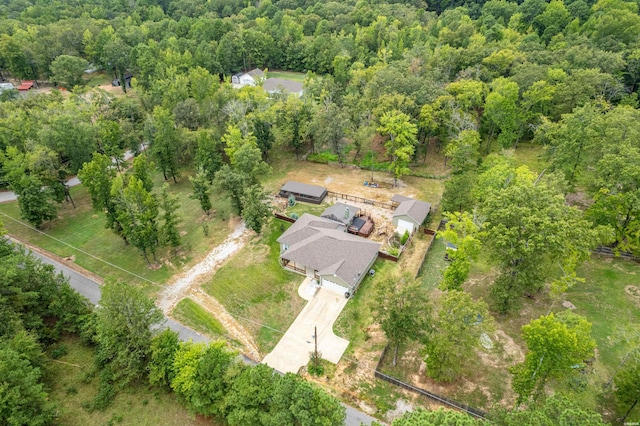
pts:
pixel 68 70
pixel 402 310
pixel 169 204
pixel 462 231
pixel 627 386
pixel 255 208
pixel 439 417
pixel 555 410
pixel 556 345
pixel 454 335
pixel 402 140
pixel 164 346
pixel 201 191
pixel 250 395
pixel 126 319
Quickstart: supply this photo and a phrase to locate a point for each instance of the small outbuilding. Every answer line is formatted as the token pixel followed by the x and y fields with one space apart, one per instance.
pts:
pixel 342 213
pixel 26 85
pixel 249 78
pixel 303 192
pixel 410 215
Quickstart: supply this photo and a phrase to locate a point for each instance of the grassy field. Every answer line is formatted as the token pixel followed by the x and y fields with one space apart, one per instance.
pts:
pixel 253 285
pixel 71 387
pixel 85 230
pixel 190 313
pixel 287 75
pixel 98 78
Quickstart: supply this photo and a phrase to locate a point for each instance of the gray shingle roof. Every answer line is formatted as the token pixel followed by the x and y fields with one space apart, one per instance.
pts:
pixel 417 210
pixel 256 72
pixel 397 198
pixel 274 84
pixel 304 188
pixel 330 251
pixel 338 212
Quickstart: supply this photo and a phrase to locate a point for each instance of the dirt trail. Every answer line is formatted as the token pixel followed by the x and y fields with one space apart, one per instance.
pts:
pixel 188 284
pixel 233 327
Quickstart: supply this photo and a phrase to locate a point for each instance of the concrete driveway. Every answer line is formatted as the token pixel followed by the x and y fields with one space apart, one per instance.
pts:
pixel 293 350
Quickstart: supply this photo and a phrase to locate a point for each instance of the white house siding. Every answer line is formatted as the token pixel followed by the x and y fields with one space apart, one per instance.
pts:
pixel 334 286
pixel 404 225
pixel 247 80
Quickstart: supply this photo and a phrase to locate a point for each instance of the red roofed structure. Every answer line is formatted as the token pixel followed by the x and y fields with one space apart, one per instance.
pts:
pixel 25 85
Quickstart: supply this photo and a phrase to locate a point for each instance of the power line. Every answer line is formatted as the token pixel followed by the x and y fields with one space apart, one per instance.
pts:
pixel 81 251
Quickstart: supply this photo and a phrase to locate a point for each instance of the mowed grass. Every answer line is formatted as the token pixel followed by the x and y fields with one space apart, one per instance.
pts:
pixel 72 386
pixel 287 75
pixel 97 248
pixel 97 78
pixel 257 290
pixel 190 313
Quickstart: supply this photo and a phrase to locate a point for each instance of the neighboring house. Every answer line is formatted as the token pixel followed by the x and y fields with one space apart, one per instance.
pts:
pixel 410 214
pixel 26 85
pixel 281 85
pixel 303 192
pixel 6 86
pixel 320 248
pixel 342 213
pixel 249 78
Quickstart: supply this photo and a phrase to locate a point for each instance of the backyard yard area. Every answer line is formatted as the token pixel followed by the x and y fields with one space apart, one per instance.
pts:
pixel 287 75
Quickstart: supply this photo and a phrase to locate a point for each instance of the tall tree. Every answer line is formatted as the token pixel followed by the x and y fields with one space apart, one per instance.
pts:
pixel 439 417
pixel 170 219
pixel 255 207
pixel 555 410
pixel 458 324
pixel 126 320
pixel 164 346
pixel 402 310
pixel 201 191
pixel 165 143
pixel 250 396
pixel 555 344
pixel 462 231
pixel 529 230
pixel 628 387
pixel 68 70
pixel 402 141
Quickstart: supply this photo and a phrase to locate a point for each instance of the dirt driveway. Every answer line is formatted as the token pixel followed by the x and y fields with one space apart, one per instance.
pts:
pixel 293 350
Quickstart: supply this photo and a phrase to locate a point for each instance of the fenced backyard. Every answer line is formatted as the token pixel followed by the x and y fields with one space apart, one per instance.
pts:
pixel 354 198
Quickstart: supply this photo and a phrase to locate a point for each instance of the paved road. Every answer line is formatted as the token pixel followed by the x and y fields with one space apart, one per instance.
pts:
pixel 7 196
pixel 90 289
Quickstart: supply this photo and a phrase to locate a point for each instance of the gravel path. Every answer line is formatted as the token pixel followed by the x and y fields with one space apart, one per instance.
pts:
pixel 189 282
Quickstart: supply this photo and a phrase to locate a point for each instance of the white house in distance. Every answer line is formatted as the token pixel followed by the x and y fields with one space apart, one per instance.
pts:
pixel 322 249
pixel 410 214
pixel 249 78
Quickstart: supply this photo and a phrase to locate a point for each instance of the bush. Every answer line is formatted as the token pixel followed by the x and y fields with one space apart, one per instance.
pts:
pixel 59 351
pixel 322 157
pixel 394 251
pixel 405 238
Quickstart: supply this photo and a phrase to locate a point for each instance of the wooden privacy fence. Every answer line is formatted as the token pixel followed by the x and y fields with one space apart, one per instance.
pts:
pixel 357 199
pixel 285 218
pixel 433 396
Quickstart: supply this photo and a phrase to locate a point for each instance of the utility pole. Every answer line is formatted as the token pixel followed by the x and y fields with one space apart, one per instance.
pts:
pixel 315 338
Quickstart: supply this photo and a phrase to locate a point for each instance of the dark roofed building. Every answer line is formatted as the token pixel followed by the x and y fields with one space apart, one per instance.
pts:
pixel 320 248
pixel 282 85
pixel 410 214
pixel 303 192
pixel 342 213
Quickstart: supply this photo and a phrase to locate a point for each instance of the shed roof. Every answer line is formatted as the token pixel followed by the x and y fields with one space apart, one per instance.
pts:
pixel 26 85
pixel 289 86
pixel 330 251
pixel 415 209
pixel 304 188
pixel 397 198
pixel 341 212
pixel 256 72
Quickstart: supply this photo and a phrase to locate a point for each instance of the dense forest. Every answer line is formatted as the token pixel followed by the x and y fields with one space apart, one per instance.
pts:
pixel 387 85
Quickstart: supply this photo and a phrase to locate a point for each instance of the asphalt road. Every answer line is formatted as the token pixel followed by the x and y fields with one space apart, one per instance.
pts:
pixel 90 289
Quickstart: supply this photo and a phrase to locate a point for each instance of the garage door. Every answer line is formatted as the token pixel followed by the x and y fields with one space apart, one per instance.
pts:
pixel 330 285
pixel 404 225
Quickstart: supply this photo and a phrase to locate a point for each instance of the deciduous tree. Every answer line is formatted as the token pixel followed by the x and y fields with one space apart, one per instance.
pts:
pixel 402 141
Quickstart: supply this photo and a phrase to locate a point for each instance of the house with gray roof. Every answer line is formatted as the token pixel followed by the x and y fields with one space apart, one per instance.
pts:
pixel 320 248
pixel 249 78
pixel 342 213
pixel 275 85
pixel 410 214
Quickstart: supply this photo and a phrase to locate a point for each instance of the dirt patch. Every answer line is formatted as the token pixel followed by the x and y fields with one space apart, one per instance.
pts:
pixel 634 293
pixel 402 407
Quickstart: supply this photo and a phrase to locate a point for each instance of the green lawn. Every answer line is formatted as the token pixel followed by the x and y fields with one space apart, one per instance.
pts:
pixel 71 387
pixel 85 230
pixel 287 75
pixel 253 285
pixel 190 313
pixel 98 78
pixel 434 265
